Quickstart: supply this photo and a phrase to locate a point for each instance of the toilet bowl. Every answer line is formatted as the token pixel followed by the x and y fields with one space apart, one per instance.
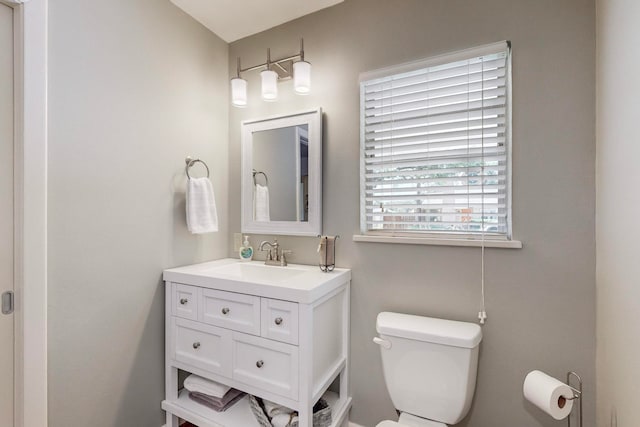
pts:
pixel 429 367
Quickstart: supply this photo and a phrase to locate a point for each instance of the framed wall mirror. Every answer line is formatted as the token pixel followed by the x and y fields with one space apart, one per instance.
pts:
pixel 282 175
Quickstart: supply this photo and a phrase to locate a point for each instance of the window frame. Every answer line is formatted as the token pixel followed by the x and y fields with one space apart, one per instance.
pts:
pixel 435 237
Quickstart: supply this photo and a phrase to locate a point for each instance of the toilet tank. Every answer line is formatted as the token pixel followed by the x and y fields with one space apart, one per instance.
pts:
pixel 431 365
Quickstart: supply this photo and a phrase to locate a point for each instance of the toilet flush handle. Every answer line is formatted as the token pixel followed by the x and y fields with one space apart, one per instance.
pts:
pixel 383 343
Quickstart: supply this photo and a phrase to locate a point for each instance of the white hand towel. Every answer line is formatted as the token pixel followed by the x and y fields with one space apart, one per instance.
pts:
pixel 261 203
pixel 202 216
pixel 198 384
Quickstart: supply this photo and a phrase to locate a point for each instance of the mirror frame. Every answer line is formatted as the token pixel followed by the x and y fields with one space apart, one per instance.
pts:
pixel 312 227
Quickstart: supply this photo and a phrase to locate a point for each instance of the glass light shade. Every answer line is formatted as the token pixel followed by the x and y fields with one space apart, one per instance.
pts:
pixel 239 92
pixel 302 77
pixel 269 85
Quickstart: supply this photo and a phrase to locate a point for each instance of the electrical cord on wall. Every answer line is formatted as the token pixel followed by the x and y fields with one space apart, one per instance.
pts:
pixel 482 315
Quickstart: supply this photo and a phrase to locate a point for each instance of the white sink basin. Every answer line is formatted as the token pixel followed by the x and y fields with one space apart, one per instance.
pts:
pixel 295 282
pixel 258 272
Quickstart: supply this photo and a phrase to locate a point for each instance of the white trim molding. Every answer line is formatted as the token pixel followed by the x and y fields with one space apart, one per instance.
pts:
pixel 477 243
pixel 31 200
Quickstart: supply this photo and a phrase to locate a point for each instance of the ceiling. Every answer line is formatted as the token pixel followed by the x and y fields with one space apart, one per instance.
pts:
pixel 235 19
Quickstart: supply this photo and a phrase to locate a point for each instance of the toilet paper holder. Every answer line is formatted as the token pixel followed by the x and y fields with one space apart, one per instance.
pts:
pixel 577 394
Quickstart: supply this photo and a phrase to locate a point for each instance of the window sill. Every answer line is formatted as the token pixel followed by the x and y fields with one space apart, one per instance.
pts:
pixel 502 244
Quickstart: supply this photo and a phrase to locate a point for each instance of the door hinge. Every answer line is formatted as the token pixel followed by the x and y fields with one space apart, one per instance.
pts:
pixel 7 302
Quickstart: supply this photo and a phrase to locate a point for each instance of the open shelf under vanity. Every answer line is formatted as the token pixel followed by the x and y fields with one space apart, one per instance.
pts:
pixel 240 414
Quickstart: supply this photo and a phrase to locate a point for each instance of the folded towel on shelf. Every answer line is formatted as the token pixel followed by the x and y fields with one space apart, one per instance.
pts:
pixel 280 416
pixel 218 404
pixel 285 420
pixel 197 384
pixel 273 409
pixel 261 203
pixel 202 216
pixel 218 401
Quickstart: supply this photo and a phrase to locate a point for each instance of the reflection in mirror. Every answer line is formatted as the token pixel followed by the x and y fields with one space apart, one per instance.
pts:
pixel 281 174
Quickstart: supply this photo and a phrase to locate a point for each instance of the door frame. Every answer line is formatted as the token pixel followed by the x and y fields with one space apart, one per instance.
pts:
pixel 30 160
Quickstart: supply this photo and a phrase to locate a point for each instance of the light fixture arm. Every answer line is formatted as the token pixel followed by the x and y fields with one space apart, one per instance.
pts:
pixel 267 65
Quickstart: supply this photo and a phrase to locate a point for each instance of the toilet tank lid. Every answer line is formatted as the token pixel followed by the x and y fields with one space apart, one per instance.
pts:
pixel 429 329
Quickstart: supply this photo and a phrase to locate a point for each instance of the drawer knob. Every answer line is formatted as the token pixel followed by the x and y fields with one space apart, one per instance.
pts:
pixel 225 310
pixel 196 345
pixel 183 301
pixel 259 363
pixel 278 320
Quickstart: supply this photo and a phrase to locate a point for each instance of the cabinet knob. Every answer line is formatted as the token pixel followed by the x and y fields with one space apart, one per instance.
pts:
pixel 183 301
pixel 225 310
pixel 278 320
pixel 196 345
pixel 259 363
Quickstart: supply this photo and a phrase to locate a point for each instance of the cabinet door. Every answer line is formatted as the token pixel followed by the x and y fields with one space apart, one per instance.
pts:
pixel 270 365
pixel 203 346
pixel 280 320
pixel 230 310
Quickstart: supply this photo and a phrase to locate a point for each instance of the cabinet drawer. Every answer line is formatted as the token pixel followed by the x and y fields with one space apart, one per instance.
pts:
pixel 280 320
pixel 203 346
pixel 230 310
pixel 185 301
pixel 270 365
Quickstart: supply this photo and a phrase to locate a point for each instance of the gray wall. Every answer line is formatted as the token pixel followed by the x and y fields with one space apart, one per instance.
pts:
pixel 618 201
pixel 134 87
pixel 540 299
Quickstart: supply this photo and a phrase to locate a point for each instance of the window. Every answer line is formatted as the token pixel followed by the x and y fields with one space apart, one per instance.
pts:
pixel 435 147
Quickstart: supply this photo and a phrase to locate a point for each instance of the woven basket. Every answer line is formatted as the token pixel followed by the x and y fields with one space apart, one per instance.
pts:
pixel 258 412
pixel 321 418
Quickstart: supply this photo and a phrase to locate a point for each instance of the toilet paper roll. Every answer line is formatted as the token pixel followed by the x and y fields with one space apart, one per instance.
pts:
pixel 548 394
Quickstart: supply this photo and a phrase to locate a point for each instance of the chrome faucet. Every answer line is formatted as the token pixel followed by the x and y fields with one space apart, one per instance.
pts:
pixel 275 256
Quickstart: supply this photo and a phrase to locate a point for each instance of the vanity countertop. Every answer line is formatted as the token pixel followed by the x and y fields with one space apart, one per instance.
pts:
pixel 295 282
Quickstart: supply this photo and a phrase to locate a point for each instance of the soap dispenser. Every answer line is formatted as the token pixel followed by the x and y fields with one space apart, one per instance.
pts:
pixel 246 251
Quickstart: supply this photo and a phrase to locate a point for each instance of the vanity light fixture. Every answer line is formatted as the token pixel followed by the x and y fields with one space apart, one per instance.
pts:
pixel 302 73
pixel 269 81
pixel 272 71
pixel 239 90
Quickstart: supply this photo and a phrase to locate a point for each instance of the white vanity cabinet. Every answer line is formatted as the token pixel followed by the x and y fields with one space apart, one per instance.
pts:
pixel 280 333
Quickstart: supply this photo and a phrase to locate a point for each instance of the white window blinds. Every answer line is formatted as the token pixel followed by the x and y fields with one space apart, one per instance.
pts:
pixel 434 146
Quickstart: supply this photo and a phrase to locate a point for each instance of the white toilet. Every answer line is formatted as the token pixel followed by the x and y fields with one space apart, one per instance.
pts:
pixel 429 366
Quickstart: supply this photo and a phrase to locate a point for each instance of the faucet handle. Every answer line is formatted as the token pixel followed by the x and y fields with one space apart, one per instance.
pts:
pixel 283 258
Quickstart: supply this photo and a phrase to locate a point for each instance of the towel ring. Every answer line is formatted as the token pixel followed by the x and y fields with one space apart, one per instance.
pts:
pixel 266 179
pixel 190 162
